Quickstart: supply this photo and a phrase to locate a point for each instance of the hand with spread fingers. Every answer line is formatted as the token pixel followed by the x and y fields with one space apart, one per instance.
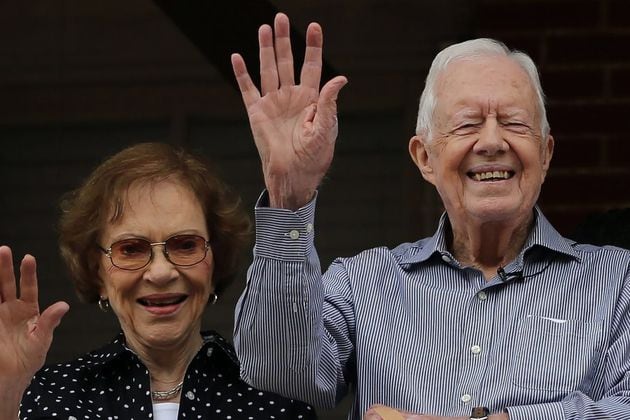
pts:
pixel 25 334
pixel 294 125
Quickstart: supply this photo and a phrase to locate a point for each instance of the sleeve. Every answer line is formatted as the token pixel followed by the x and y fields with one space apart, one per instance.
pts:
pixel 293 335
pixel 615 401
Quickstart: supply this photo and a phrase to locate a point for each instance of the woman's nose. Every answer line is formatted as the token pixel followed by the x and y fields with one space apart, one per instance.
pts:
pixel 160 269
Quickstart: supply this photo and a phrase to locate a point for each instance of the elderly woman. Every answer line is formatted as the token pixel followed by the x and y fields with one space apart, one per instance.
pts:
pixel 152 236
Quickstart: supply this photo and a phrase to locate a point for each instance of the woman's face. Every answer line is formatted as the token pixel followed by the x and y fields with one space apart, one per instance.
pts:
pixel 160 305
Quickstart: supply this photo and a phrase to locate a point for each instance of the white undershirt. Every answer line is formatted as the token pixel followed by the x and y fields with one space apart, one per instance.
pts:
pixel 165 411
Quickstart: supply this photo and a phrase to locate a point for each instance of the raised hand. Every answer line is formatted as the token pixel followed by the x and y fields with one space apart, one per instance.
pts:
pixel 25 334
pixel 294 125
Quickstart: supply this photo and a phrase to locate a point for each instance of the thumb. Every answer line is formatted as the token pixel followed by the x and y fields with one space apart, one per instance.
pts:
pixel 51 317
pixel 327 103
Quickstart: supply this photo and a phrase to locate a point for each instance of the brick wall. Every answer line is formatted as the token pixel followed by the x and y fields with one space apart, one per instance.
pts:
pixel 582 48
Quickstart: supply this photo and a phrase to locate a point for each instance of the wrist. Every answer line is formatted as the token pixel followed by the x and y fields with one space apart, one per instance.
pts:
pixel 479 413
pixel 291 202
pixel 10 398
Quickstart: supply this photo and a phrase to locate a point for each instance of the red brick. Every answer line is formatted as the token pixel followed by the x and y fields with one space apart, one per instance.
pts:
pixel 589 118
pixel 618 152
pixel 573 83
pixel 620 82
pixel 566 220
pixel 619 13
pixel 569 152
pixel 538 14
pixel 585 188
pixel 588 48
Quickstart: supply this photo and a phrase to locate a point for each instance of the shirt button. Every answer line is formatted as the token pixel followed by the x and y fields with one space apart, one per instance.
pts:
pixel 446 258
pixel 309 227
pixel 190 395
pixel 466 398
pixel 475 349
pixel 482 295
pixel 209 352
pixel 294 234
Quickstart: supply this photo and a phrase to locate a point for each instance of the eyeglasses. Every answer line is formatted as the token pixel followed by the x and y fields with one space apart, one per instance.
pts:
pixel 137 253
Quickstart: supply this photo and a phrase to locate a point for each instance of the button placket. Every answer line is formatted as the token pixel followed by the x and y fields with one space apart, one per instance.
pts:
pixel 476 338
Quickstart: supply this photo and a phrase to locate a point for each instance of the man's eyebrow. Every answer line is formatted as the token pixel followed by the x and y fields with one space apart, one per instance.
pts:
pixel 466 112
pixel 515 113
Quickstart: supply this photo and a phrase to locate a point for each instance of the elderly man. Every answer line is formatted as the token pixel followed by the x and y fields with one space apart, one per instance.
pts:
pixel 495 310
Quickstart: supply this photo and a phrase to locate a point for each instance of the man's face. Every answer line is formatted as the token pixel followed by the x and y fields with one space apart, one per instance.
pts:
pixel 487 158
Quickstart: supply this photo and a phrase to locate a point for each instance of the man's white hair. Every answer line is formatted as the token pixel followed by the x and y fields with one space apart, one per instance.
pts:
pixel 481 47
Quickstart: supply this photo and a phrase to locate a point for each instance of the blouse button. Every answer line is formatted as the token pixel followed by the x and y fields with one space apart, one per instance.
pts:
pixel 294 234
pixel 209 352
pixel 190 395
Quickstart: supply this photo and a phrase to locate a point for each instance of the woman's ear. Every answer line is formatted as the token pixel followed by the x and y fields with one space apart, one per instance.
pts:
pixel 418 149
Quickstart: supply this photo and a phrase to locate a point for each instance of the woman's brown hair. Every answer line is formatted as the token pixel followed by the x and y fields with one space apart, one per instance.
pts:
pixel 100 200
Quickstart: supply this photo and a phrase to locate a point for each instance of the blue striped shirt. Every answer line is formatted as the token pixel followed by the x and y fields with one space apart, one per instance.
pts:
pixel 412 328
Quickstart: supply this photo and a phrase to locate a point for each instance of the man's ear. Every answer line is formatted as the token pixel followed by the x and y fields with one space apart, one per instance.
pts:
pixel 418 149
pixel 547 154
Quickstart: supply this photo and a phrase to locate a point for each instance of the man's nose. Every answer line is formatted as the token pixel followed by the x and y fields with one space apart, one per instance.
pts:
pixel 491 140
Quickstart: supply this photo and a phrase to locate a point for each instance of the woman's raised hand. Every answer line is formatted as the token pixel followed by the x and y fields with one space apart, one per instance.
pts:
pixel 25 334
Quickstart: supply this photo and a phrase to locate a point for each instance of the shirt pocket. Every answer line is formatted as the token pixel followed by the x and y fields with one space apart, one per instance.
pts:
pixel 557 354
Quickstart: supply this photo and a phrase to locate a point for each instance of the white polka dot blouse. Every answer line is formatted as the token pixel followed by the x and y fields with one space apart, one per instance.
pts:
pixel 112 383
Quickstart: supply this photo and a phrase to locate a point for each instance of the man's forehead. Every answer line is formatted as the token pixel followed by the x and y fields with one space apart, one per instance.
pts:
pixel 479 67
pixel 476 82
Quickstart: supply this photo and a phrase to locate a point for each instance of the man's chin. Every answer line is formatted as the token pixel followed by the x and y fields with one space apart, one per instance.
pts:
pixel 494 210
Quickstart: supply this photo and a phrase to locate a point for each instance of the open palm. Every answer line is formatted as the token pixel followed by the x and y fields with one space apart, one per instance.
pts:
pixel 25 334
pixel 294 125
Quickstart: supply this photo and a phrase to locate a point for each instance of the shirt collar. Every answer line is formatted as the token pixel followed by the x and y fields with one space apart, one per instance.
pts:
pixel 117 348
pixel 543 234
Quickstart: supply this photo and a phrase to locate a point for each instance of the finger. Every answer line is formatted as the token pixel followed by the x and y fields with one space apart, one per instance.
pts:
pixel 326 116
pixel 268 68
pixel 371 415
pixel 312 68
pixel 387 413
pixel 50 319
pixel 28 279
pixel 248 89
pixel 7 276
pixel 284 55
